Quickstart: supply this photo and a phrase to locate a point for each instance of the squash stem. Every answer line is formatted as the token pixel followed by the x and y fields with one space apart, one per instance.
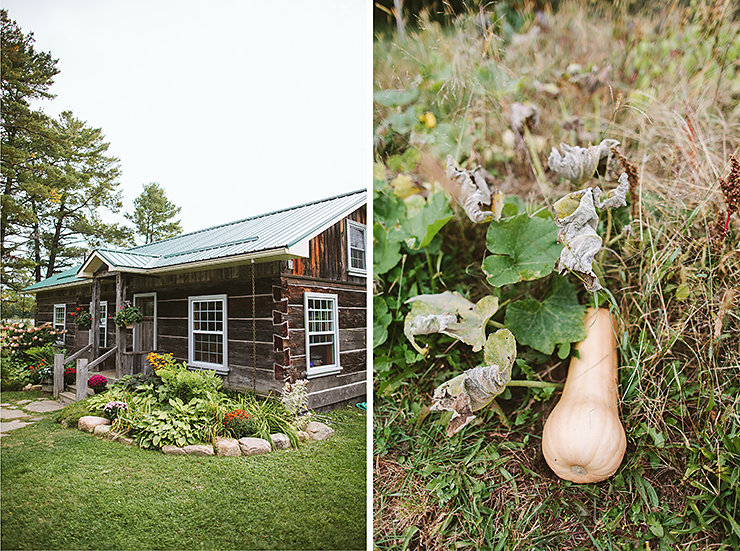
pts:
pixel 535 384
pixel 500 412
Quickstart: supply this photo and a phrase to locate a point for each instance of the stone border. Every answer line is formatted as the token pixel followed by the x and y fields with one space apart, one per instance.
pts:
pixel 222 447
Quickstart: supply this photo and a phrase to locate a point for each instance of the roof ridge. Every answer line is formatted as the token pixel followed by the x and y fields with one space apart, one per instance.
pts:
pixel 248 218
pixel 127 251
pixel 210 247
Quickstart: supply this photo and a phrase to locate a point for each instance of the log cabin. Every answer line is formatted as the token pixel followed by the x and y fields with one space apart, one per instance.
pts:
pixel 268 299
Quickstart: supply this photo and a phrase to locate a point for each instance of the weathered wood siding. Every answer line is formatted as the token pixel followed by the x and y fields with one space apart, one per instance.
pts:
pixel 352 313
pixel 328 253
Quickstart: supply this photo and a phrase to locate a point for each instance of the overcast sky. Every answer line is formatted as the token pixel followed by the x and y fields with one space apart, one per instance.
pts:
pixel 235 107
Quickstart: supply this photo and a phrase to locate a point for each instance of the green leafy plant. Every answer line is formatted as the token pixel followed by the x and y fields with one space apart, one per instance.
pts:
pixel 128 315
pixel 81 318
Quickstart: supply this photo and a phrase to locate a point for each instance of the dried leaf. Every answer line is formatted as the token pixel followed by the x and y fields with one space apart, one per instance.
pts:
pixel 470 189
pixel 578 164
pixel 577 219
pixel 450 314
pixel 475 388
pixel 523 115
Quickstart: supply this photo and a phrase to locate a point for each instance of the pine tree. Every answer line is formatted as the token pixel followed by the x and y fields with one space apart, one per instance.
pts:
pixel 153 214
pixel 26 140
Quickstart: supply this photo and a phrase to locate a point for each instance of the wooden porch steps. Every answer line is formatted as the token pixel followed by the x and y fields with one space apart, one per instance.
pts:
pixel 70 396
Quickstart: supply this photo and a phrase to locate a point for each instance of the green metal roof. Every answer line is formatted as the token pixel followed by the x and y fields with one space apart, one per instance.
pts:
pixel 272 231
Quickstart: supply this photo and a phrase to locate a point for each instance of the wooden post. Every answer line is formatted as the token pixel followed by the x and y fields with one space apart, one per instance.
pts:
pixel 95 329
pixel 120 331
pixel 81 379
pixel 58 374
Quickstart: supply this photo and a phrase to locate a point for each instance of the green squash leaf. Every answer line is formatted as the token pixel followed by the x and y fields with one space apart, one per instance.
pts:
pixel 450 314
pixel 426 223
pixel 523 249
pixel 386 251
pixel 382 318
pixel 543 325
pixel 392 98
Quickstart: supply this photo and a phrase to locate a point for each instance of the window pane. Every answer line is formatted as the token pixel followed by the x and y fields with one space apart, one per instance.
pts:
pixel 208 348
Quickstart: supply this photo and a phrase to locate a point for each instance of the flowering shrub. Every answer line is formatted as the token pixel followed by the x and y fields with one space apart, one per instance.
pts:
pixel 114 408
pixel 17 338
pixel 40 371
pixel 239 422
pixel 82 318
pixel 294 398
pixel 97 381
pixel 69 375
pixel 158 361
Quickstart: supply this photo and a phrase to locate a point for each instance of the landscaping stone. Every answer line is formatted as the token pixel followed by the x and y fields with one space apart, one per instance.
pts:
pixel 11 413
pixel 102 430
pixel 303 436
pixel 198 449
pixel 35 387
pixel 20 402
pixel 227 447
pixel 254 446
pixel 27 387
pixel 280 441
pixel 319 431
pixel 43 406
pixel 89 422
pixel 12 425
pixel 6 404
pixel 125 440
pixel 172 450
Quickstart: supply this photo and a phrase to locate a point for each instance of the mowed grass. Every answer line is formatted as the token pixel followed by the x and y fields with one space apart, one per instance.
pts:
pixel 65 489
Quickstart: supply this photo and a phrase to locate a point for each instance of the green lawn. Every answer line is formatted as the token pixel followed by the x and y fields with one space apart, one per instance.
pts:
pixel 65 489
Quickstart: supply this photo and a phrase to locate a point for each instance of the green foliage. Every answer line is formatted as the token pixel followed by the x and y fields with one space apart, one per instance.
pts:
pixel 522 248
pixel 544 324
pixel 70 415
pixel 153 213
pixel 127 315
pixel 381 320
pixel 185 384
pixel 181 425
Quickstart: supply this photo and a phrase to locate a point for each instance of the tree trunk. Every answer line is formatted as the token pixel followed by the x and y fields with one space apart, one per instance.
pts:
pixel 54 246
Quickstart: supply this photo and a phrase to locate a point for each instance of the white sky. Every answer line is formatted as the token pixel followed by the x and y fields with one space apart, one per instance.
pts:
pixel 235 107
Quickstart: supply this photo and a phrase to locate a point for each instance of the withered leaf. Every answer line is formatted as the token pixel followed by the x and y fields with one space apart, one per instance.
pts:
pixel 577 219
pixel 475 388
pixel 451 314
pixel 578 164
pixel 470 189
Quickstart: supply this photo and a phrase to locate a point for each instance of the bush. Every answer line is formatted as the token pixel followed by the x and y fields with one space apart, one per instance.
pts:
pixel 239 423
pixel 14 374
pixel 18 338
pixel 71 414
pixel 97 381
pixel 181 382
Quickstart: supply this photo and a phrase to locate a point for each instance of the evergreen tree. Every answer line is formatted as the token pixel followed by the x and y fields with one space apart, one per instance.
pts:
pixel 26 139
pixel 153 214
pixel 82 181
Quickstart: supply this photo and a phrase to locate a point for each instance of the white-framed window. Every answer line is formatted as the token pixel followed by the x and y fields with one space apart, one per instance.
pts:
pixel 60 317
pixel 356 248
pixel 103 330
pixel 102 324
pixel 322 334
pixel 208 339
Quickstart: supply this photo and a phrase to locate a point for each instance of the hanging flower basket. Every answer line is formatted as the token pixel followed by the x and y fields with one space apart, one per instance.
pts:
pixel 82 318
pixel 127 317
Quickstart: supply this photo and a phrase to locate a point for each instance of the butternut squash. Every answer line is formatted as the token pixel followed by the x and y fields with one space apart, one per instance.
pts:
pixel 583 439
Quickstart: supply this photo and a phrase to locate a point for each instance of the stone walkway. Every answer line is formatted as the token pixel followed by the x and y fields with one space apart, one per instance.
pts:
pixel 24 412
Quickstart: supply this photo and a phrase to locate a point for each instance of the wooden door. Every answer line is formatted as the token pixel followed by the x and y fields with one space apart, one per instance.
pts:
pixel 145 331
